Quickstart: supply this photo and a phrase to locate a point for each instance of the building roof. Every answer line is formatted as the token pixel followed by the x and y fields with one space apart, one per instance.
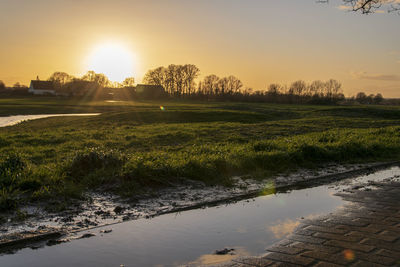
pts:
pixel 42 85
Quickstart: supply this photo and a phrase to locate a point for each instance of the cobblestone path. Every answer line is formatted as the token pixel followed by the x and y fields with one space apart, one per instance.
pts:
pixel 366 232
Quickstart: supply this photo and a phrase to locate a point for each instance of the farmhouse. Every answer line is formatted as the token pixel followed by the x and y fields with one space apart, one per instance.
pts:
pixel 39 87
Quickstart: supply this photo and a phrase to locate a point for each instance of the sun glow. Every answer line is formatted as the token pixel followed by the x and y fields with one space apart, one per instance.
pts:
pixel 113 60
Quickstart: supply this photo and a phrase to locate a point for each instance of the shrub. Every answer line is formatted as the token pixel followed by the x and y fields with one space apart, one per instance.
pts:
pixel 95 164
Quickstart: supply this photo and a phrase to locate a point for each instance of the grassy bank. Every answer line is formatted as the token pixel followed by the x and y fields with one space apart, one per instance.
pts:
pixel 132 145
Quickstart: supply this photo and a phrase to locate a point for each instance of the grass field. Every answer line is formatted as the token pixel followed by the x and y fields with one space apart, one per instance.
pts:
pixel 136 145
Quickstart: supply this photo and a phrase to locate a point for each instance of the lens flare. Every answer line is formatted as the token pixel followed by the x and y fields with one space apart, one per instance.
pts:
pixel 348 254
pixel 162 108
pixel 269 189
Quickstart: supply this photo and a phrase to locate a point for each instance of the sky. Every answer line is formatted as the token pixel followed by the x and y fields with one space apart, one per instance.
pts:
pixel 259 41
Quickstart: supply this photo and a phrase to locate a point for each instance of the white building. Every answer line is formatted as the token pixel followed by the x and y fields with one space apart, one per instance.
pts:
pixel 38 87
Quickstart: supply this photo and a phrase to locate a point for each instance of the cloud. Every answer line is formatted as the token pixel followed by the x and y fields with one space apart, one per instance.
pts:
pixel 377 76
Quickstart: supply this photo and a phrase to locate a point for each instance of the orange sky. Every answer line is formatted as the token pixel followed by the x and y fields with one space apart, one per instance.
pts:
pixel 258 41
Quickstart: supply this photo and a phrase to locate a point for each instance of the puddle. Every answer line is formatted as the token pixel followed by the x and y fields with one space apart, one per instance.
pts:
pixel 191 237
pixel 12 120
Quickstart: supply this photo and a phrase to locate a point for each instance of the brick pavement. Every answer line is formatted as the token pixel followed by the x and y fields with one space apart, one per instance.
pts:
pixel 366 232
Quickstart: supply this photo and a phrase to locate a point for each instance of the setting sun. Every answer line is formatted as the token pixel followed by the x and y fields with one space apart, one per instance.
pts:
pixel 113 60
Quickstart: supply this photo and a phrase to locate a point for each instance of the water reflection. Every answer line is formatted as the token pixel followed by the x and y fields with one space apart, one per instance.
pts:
pixel 12 120
pixel 212 259
pixel 283 229
pixel 193 236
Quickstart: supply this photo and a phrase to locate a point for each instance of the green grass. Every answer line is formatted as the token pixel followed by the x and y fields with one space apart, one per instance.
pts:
pixel 135 145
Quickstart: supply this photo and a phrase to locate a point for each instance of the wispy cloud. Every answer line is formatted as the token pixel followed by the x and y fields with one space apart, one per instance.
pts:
pixel 375 76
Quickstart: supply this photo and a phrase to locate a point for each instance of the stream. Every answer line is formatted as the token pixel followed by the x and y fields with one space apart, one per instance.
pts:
pixel 15 119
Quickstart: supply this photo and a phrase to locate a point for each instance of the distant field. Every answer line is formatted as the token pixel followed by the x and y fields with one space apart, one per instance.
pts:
pixel 136 145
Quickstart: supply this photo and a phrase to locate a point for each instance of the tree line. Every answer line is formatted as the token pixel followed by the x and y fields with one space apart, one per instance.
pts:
pixel 180 81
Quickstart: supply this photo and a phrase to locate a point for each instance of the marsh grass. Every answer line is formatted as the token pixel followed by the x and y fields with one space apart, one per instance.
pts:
pixel 134 146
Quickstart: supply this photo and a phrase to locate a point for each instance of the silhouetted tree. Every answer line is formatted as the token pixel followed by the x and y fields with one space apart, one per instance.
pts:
pixel 156 77
pixel 274 89
pixel 178 80
pixel 2 85
pixel 59 79
pixel 361 97
pixel 370 6
pixel 98 78
pixel 234 85
pixel 210 85
pixel 129 82
pixel 332 88
pixel 316 89
pixel 378 98
pixel 298 88
pixel 191 72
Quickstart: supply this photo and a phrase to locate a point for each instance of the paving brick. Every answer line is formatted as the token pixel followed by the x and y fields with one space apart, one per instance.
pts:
pixel 351 237
pixel 350 245
pixel 377 226
pixel 299 260
pixel 317 247
pixel 332 230
pixel 304 232
pixel 380 221
pixel 286 250
pixel 368 229
pixel 372 257
pixel 369 226
pixel 307 239
pixel 385 235
pixel 382 244
pixel 388 253
pixel 283 264
pixel 329 257
pixel 327 264
pixel 366 264
pixel 345 221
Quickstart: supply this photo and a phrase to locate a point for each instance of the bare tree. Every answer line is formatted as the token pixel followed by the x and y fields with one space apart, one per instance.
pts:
pixel 274 89
pixel 210 84
pixel 332 88
pixel 316 89
pixel 59 78
pixel 191 72
pixel 370 6
pixel 98 78
pixel 156 76
pixel 298 88
pixel 129 82
pixel 234 85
